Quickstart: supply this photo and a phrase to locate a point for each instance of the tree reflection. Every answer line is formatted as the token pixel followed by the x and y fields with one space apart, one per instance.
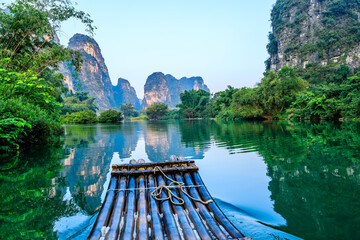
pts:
pixel 314 170
pixel 30 201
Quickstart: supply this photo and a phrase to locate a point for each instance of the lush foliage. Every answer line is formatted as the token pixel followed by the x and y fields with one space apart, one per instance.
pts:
pixel 128 110
pixel 329 101
pixel 30 88
pixel 81 117
pixel 338 28
pixel 193 103
pixel 275 93
pixel 245 104
pixel 278 90
pixel 219 103
pixel 157 110
pixel 140 118
pixel 80 101
pixel 28 109
pixel 28 34
pixel 31 193
pixel 110 116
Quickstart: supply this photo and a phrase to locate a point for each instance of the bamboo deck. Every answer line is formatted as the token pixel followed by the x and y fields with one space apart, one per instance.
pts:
pixel 130 212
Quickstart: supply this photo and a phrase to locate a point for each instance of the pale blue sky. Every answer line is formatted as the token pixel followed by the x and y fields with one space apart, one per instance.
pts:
pixel 223 41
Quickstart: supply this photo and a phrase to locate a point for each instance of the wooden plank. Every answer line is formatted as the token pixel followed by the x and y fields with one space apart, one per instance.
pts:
pixel 157 231
pixel 118 209
pixel 165 170
pixel 193 214
pixel 212 224
pixel 151 164
pixel 105 211
pixel 219 215
pixel 142 223
pixel 168 218
pixel 129 224
pixel 178 209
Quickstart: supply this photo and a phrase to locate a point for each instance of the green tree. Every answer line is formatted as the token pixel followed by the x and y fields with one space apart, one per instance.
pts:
pixel 80 101
pixel 128 110
pixel 30 88
pixel 278 90
pixel 246 104
pixel 329 101
pixel 110 116
pixel 220 103
pixel 157 110
pixel 193 103
pixel 81 117
pixel 28 32
pixel 28 109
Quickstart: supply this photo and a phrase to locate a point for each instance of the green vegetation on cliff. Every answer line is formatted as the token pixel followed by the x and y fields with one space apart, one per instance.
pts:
pixel 30 87
pixel 311 31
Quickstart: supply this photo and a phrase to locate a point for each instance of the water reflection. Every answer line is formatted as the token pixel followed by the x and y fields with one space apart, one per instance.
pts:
pixel 299 178
pixel 29 202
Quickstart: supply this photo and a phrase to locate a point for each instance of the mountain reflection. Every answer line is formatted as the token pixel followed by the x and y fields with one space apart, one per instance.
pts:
pixel 163 139
pixel 314 168
pixel 313 171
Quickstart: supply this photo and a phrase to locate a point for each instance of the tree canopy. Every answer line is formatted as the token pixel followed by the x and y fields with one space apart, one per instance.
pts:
pixel 157 110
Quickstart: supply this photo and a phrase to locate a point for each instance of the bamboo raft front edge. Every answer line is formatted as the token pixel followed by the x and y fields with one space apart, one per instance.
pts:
pixel 129 211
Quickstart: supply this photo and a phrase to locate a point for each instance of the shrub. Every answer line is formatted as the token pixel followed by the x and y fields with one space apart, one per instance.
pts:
pixel 110 116
pixel 10 130
pixel 42 124
pixel 157 110
pixel 82 117
pixel 139 118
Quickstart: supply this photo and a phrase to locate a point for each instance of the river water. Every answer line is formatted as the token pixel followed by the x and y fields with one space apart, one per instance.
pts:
pixel 273 180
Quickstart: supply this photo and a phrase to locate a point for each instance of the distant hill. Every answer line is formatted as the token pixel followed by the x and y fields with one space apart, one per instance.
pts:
pixel 160 88
pixel 94 77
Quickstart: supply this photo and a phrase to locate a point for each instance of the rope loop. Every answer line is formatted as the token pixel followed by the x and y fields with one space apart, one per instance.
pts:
pixel 170 195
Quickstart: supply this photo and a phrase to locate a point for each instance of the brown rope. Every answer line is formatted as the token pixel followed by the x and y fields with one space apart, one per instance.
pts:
pixel 170 195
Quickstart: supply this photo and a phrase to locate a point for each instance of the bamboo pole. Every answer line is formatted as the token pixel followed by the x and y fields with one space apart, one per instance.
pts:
pixel 165 170
pixel 199 225
pixel 142 223
pixel 151 164
pixel 213 226
pixel 128 231
pixel 168 218
pixel 219 215
pixel 178 209
pixel 105 211
pixel 157 231
pixel 117 211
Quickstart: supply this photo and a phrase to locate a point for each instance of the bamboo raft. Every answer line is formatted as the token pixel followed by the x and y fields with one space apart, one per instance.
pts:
pixel 165 200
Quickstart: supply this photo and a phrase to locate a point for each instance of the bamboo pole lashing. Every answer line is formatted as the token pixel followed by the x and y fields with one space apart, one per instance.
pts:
pixel 118 210
pixel 168 217
pixel 157 231
pixel 219 215
pixel 142 222
pixel 129 223
pixel 193 214
pixel 183 220
pixel 211 223
pixel 105 212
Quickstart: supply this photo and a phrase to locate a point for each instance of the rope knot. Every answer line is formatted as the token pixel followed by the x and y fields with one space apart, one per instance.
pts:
pixel 156 194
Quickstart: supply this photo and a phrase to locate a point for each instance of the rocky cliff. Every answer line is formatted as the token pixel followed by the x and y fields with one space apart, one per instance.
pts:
pixel 125 93
pixel 94 77
pixel 160 88
pixel 314 31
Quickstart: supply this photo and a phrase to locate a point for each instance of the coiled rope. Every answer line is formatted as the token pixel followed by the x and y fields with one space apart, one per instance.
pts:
pixel 170 195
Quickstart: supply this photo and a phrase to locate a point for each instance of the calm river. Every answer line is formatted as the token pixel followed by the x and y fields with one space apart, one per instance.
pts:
pixel 273 180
